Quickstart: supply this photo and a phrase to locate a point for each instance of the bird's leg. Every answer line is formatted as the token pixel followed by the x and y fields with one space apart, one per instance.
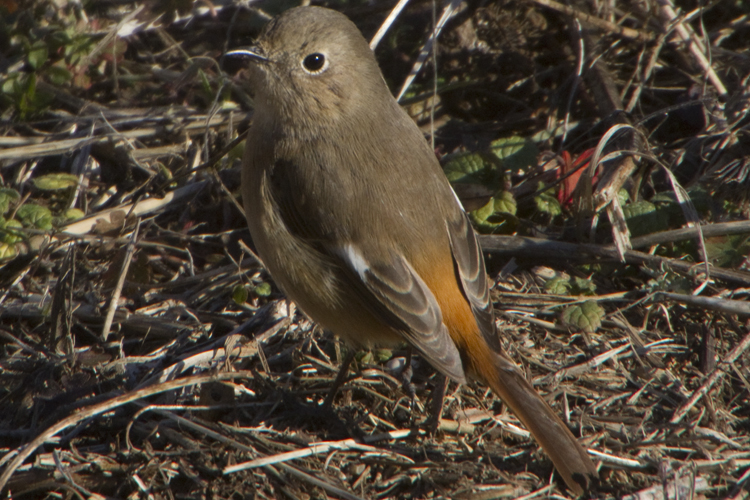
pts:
pixel 438 399
pixel 406 375
pixel 438 394
pixel 340 377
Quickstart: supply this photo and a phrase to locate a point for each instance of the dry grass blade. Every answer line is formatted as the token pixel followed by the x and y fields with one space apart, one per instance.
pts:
pixel 316 449
pixel 130 249
pixel 387 23
pixel 684 487
pixel 687 34
pixel 22 454
pixel 602 24
pixel 448 12
pixel 718 373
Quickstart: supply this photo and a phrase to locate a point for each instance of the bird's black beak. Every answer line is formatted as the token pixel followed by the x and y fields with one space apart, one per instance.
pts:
pixel 253 53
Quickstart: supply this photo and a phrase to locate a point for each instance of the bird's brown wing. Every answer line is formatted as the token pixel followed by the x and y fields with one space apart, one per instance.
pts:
pixel 388 287
pixel 398 295
pixel 471 272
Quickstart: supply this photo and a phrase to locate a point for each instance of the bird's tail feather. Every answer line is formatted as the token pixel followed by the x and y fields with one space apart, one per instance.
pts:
pixel 567 454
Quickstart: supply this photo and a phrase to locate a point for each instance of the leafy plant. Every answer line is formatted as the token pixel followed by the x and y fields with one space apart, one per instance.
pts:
pixel 20 90
pixel 563 285
pixel 7 196
pixel 488 168
pixel 729 251
pixel 559 285
pixel 37 216
pixel 547 203
pixel 56 182
pixel 643 217
pixel 10 236
pixel 586 317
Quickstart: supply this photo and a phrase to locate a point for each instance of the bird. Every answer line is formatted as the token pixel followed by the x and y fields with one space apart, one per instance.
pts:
pixel 354 220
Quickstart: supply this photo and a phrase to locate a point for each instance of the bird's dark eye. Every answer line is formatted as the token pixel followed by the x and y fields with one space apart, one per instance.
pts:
pixel 314 62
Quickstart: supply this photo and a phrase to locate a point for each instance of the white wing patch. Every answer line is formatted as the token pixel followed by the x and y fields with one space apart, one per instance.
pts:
pixel 354 258
pixel 457 200
pixel 396 294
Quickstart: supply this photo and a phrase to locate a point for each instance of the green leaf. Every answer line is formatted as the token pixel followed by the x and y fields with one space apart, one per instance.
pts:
pixel 374 356
pixel 10 231
pixel 239 294
pixel 26 100
pixel 623 196
pixel 16 85
pixel 7 251
pixel 665 279
pixel 668 207
pixel 728 251
pixel 72 214
pixel 57 74
pixel 262 290
pixel 480 215
pixel 56 182
pixel 365 357
pixel 58 39
pixel 496 214
pixel 382 355
pixel 547 203
pixel 38 54
pixel 6 197
pixel 22 90
pixel 469 168
pixel 36 216
pixel 643 217
pixel 515 153
pixel 10 85
pixel 586 317
pixel 559 285
pixel 583 286
pixel 702 200
pixel 504 202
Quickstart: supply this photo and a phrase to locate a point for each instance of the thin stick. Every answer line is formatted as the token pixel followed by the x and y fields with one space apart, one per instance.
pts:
pixel 688 36
pixel 719 372
pixel 387 23
pixel 120 282
pixel 448 12
pixel 595 21
pixel 84 413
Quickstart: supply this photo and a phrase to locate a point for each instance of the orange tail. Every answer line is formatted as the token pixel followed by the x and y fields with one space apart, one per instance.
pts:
pixel 507 382
pixel 569 457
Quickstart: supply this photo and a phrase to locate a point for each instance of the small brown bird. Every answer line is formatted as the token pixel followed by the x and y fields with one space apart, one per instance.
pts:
pixel 351 213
